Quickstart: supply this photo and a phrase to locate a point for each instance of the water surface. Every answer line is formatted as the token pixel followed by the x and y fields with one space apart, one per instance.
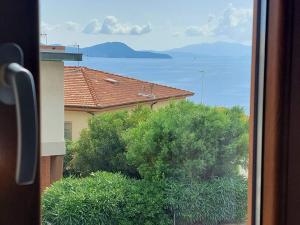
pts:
pixel 226 80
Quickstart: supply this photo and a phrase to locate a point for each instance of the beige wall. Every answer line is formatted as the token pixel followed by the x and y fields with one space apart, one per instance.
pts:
pixel 52 107
pixel 79 119
pixel 159 105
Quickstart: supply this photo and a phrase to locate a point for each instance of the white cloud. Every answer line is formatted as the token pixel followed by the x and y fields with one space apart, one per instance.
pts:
pixel 69 26
pixel 235 24
pixel 93 27
pixel 111 25
pixel 138 30
pixel 46 27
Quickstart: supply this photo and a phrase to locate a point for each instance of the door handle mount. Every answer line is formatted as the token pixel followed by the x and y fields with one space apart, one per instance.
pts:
pixel 17 88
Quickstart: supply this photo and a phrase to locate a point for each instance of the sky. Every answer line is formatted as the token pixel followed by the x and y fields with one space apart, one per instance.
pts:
pixel 146 25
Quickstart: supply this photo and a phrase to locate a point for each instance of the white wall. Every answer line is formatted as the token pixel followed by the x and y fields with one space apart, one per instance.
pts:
pixel 52 107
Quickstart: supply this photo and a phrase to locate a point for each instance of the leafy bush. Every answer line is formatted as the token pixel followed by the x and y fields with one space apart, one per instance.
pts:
pixel 186 141
pixel 104 199
pixel 219 201
pixel 183 141
pixel 189 155
pixel 112 199
pixel 101 146
pixel 68 157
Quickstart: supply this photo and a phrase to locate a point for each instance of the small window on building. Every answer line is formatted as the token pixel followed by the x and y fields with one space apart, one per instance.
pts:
pixel 68 130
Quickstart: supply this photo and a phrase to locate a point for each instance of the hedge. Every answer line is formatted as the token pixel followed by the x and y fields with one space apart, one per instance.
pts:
pixel 104 199
pixel 219 201
pixel 113 199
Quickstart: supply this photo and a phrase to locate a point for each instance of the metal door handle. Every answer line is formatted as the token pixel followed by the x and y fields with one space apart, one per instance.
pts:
pixel 17 88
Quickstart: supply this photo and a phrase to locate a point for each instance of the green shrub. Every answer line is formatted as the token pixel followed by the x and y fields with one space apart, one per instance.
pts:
pixel 219 201
pixel 68 157
pixel 104 199
pixel 186 141
pixel 189 155
pixel 101 146
pixel 181 141
pixel 112 199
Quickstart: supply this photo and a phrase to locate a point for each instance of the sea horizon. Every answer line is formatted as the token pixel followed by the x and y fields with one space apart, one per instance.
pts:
pixel 225 79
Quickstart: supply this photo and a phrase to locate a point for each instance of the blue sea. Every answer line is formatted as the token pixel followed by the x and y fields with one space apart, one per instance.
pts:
pixel 216 81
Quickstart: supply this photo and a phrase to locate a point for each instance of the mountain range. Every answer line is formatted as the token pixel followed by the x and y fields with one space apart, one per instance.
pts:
pixel 118 50
pixel 211 49
pixel 121 50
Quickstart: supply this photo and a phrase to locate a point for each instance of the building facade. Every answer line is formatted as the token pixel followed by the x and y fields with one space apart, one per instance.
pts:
pixel 70 96
pixel 90 92
pixel 52 111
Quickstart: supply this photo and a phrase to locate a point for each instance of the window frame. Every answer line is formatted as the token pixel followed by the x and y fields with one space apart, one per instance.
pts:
pixel 281 125
pixel 280 177
pixel 20 205
pixel 256 119
pixel 69 123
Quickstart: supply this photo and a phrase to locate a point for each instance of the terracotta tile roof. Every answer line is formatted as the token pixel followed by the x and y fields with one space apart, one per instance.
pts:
pixel 90 88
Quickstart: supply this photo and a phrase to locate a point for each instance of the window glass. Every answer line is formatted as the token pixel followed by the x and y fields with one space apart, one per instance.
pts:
pixel 68 131
pixel 155 99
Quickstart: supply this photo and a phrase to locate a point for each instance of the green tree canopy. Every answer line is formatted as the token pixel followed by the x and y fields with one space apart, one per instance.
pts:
pixel 189 141
pixel 101 146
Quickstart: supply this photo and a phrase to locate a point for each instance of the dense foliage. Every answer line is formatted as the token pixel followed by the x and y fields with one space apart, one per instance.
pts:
pixel 218 201
pixel 112 199
pixel 187 141
pixel 104 199
pixel 177 165
pixel 181 141
pixel 68 157
pixel 101 146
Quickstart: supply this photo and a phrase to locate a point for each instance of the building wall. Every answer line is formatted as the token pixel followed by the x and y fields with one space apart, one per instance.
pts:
pixel 51 170
pixel 161 104
pixel 79 119
pixel 45 176
pixel 52 107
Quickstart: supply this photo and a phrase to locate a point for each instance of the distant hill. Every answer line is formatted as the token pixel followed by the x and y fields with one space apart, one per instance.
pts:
pixel 211 49
pixel 121 50
pixel 117 50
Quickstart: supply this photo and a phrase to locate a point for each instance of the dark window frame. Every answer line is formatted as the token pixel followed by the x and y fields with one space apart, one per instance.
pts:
pixel 281 124
pixel 280 177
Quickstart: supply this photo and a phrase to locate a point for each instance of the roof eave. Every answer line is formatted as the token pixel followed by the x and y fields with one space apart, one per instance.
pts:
pixel 60 56
pixel 99 108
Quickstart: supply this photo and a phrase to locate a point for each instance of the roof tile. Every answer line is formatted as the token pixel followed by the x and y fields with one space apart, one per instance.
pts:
pixel 90 88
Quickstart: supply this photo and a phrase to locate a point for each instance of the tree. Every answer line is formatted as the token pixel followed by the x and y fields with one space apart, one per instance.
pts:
pixel 68 170
pixel 101 146
pixel 189 142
